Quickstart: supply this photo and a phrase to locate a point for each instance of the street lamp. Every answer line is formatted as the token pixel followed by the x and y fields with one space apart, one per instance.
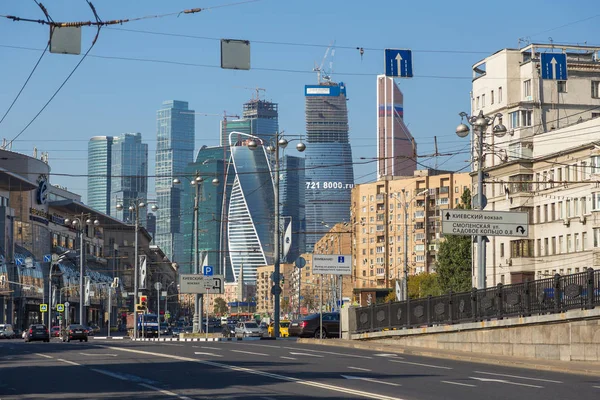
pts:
pixel 480 124
pixel 75 222
pixel 279 142
pixel 134 207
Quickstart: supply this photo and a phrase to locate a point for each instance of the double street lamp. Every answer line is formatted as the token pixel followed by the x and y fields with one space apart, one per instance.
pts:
pixel 279 142
pixel 134 207
pixel 480 124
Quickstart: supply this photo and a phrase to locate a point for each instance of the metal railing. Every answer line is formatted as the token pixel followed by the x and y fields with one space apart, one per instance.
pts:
pixel 545 296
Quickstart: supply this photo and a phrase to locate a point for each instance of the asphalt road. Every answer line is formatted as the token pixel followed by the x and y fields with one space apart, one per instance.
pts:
pixel 283 369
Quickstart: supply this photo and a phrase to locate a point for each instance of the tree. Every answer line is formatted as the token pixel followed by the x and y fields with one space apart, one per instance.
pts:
pixel 423 285
pixel 454 257
pixel 220 306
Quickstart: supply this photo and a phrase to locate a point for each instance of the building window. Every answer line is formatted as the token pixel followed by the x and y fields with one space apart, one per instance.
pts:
pixel 477 103
pixel 364 198
pixel 569 244
pixel 562 86
pixel 595 201
pixel 537 214
pixel 595 89
pixel 568 208
pixel 577 242
pixel 561 245
pixel 492 97
pixel 514 119
pixel 527 88
pixel 500 94
pixel 560 210
pixel 584 241
pixel 538 247
pixel 482 100
pixel 546 213
pixel 567 174
pixel 583 206
pixel 526 116
pixel 553 245
pixel 546 247
pixel 521 248
pixel 501 250
pixel 595 164
pixel 553 212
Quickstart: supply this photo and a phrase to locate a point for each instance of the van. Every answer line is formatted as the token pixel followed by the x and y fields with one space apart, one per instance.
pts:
pixel 6 331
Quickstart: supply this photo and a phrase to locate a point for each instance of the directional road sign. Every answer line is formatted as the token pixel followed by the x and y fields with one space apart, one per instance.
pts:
pixel 47 257
pixel 60 307
pixel 208 270
pixel 554 66
pixel 332 264
pixel 44 307
pixel 485 223
pixel 398 63
pixel 200 284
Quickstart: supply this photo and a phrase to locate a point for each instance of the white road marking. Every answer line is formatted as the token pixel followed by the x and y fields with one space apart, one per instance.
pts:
pixel 207 354
pixel 370 380
pixel 360 369
pixel 68 362
pixel 168 393
pixel 288 358
pixel 386 355
pixel 329 352
pixel 597 387
pixel 98 355
pixel 268 398
pixel 458 383
pixel 172 344
pixel 422 365
pixel 108 373
pixel 516 376
pixel 505 382
pixel 43 355
pixel 315 384
pixel 250 352
pixel 306 354
pixel 211 348
pixel 261 345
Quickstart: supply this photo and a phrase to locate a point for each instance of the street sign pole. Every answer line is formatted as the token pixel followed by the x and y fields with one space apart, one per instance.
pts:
pixel 109 307
pixel 206 306
pixel 158 286
pixel 321 309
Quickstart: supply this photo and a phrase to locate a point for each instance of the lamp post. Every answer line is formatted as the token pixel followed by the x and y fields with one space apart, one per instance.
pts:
pixel 74 222
pixel 167 297
pixel 279 142
pixel 480 124
pixel 135 206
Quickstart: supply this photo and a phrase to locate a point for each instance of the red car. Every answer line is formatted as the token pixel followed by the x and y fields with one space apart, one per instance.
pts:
pixel 55 331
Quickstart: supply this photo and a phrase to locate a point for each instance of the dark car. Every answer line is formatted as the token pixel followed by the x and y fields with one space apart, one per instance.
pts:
pixel 228 330
pixel 55 331
pixel 176 331
pixel 75 332
pixel 309 326
pixel 165 329
pixel 37 332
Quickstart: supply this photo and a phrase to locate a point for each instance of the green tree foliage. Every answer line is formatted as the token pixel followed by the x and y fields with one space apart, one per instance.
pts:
pixel 454 258
pixel 423 285
pixel 220 306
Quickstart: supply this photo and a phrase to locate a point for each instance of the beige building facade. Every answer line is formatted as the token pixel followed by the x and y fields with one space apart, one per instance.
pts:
pixel 265 301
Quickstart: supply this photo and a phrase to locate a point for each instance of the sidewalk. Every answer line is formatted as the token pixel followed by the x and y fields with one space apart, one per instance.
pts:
pixel 570 367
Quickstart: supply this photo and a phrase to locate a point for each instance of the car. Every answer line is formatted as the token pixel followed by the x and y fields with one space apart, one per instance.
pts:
pixel 18 332
pixel 176 331
pixel 309 326
pixel 55 331
pixel 37 332
pixel 264 328
pixel 95 328
pixel 7 332
pixel 165 329
pixel 247 329
pixel 283 329
pixel 89 330
pixel 75 332
pixel 228 330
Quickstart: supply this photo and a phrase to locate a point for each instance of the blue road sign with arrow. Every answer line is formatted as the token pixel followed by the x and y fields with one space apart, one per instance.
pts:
pixel 554 66
pixel 398 63
pixel 207 270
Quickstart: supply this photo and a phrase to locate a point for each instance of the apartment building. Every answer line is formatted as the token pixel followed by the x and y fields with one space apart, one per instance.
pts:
pixel 383 212
pixel 265 301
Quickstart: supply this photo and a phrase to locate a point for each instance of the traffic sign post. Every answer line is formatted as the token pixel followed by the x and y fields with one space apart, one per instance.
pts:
pixel 60 307
pixel 200 284
pixel 553 66
pixel 398 63
pixel 485 223
pixel 207 270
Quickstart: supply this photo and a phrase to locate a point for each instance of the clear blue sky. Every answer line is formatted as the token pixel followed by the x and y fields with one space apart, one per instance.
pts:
pixel 108 97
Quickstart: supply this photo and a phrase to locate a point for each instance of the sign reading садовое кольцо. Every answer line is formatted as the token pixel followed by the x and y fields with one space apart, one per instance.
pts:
pixel 485 223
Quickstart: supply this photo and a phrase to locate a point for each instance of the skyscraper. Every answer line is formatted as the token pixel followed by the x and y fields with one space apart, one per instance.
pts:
pixel 259 118
pixel 329 169
pixel 99 166
pixel 174 151
pixel 396 148
pixel 129 175
pixel 291 194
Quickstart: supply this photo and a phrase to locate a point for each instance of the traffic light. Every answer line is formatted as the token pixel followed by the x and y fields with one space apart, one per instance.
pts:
pixel 143 301
pixel 282 279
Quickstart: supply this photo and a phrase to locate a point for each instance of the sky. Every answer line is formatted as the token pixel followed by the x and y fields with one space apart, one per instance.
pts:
pixel 109 96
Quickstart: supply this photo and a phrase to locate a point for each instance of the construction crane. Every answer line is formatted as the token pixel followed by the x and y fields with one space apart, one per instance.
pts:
pixel 257 91
pixel 322 75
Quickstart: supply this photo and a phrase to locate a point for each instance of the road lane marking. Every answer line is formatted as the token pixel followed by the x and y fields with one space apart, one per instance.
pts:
pixel 386 355
pixel 260 345
pixel 314 384
pixel 458 383
pixel 306 354
pixel 97 355
pixel 207 354
pixel 43 355
pixel 518 377
pixel 172 344
pixel 505 382
pixel 210 348
pixel 166 392
pixel 360 369
pixel 329 352
pixel 597 387
pixel 68 362
pixel 370 380
pixel 288 358
pixel 250 352
pixel 111 374
pixel 419 364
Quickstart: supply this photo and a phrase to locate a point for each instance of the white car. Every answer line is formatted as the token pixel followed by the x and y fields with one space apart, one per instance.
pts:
pixel 247 329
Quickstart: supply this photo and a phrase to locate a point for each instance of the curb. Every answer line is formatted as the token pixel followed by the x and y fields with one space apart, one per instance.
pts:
pixel 110 337
pixel 474 357
pixel 201 339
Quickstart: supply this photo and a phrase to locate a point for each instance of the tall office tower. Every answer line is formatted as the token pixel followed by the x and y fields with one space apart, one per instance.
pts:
pixel 129 175
pixel 209 165
pixel 259 118
pixel 99 165
pixel 151 224
pixel 250 222
pixel 291 194
pixel 396 148
pixel 329 170
pixel 174 151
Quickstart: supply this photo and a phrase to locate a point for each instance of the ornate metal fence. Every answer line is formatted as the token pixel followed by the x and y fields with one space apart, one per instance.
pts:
pixel 544 296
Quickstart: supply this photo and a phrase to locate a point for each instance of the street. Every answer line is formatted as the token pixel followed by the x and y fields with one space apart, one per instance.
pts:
pixel 283 369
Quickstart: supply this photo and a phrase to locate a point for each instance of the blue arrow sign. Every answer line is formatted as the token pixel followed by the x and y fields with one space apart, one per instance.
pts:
pixel 554 66
pixel 19 261
pixel 47 257
pixel 207 270
pixel 398 63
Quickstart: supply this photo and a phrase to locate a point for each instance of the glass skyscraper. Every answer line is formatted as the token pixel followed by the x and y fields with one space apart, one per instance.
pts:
pixel 291 195
pixel 129 175
pixel 99 166
pixel 174 151
pixel 259 118
pixel 329 169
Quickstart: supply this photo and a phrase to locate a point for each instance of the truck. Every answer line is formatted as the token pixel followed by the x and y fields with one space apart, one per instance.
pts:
pixel 147 324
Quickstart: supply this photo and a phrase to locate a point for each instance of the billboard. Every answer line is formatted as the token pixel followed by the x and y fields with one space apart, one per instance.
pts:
pixel 332 264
